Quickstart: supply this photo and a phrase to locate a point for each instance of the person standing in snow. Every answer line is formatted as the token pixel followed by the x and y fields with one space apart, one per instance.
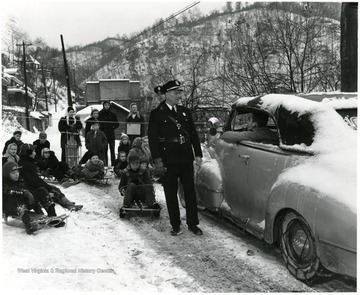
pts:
pixel 41 143
pixel 16 138
pixel 173 140
pixel 108 124
pixel 69 125
pixel 96 141
pixel 94 115
pixel 135 117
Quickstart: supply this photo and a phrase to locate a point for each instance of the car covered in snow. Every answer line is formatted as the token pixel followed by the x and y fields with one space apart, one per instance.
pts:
pixel 298 189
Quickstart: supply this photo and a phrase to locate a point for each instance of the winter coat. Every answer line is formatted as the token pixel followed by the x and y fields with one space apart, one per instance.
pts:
pixel 98 144
pixel 14 194
pixel 50 163
pixel 66 129
pixel 119 167
pixel 108 123
pixel 162 130
pixel 30 175
pixel 137 119
pixel 138 177
pixel 92 170
pixel 40 146
pixel 88 124
pixel 9 158
pixel 124 148
pixel 13 140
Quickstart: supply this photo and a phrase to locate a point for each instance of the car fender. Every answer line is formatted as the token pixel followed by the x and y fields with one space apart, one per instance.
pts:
pixel 287 196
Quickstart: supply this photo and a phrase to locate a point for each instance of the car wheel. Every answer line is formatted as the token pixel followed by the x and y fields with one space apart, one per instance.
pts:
pixel 298 248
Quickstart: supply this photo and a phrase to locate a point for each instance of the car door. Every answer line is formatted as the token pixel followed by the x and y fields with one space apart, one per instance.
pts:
pixel 234 169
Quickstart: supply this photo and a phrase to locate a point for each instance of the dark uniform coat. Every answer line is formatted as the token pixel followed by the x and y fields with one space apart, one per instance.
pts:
pixel 162 127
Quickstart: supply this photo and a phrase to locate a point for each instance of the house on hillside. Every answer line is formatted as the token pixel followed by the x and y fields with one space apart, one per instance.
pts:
pixel 120 91
pixel 120 112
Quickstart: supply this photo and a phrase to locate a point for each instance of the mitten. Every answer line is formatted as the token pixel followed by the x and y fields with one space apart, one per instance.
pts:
pixel 159 167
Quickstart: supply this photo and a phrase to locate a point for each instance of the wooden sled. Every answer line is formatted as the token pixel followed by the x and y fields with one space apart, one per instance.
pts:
pixel 100 181
pixel 38 220
pixel 139 208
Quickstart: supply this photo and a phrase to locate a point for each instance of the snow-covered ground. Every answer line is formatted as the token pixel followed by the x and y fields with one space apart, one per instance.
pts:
pixel 97 251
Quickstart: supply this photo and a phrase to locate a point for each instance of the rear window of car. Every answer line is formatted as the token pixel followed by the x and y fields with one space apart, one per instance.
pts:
pixel 295 128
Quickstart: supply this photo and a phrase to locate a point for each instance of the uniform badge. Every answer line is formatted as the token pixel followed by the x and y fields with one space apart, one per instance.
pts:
pixel 184 114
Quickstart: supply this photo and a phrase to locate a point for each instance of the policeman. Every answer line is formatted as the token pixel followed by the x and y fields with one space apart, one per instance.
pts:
pixel 173 140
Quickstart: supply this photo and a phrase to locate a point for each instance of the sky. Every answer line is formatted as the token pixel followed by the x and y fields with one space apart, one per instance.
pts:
pixel 82 22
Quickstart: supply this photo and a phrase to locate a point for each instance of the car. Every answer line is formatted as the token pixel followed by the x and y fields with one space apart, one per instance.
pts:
pixel 297 190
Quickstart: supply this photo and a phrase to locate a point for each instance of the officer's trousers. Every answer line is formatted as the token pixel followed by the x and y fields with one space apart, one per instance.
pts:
pixel 184 172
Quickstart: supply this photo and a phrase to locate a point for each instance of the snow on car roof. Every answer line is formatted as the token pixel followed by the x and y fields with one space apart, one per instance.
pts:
pixel 332 170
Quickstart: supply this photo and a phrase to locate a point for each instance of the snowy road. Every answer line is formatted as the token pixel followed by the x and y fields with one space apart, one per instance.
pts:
pixel 99 252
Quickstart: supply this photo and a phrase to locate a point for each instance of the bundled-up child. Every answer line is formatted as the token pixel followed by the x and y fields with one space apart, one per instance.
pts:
pixel 124 144
pixel 49 165
pixel 16 138
pixel 121 164
pixel 40 144
pixel 18 200
pixel 96 141
pixel 94 168
pixel 11 154
pixel 135 184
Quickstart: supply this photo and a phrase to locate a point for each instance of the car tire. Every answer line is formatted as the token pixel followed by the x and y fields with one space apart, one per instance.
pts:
pixel 298 248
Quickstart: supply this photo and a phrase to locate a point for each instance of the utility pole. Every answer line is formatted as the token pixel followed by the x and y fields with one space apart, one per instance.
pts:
pixel 66 73
pixel 53 77
pixel 44 82
pixel 27 114
pixel 75 86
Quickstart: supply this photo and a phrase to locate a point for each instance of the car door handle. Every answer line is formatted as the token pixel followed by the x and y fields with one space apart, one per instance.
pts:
pixel 246 158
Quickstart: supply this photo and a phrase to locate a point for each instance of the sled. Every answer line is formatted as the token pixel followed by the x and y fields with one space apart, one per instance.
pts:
pixel 39 221
pixel 72 150
pixel 139 208
pixel 68 183
pixel 100 181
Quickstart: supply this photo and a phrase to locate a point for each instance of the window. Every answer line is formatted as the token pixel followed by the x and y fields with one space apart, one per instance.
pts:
pixel 295 128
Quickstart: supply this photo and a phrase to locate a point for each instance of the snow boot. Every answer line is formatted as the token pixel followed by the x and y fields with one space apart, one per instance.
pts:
pixel 51 210
pixel 30 228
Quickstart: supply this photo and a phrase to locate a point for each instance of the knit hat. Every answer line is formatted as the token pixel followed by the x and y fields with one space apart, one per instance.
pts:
pixel 9 167
pixel 91 154
pixel 133 156
pixel 17 132
pixel 124 136
pixel 44 150
pixel 27 149
pixel 70 109
pixel 105 102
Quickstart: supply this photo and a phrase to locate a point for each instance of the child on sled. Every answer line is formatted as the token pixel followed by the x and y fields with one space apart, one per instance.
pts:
pixel 18 200
pixel 94 168
pixel 136 185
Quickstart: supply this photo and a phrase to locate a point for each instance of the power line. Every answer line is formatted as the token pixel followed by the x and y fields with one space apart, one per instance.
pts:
pixel 143 32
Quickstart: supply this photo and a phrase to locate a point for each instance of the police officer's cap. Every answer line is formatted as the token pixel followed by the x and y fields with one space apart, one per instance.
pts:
pixel 169 86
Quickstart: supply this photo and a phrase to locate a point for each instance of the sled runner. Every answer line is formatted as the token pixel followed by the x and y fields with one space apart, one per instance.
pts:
pixel 101 181
pixel 139 207
pixel 38 221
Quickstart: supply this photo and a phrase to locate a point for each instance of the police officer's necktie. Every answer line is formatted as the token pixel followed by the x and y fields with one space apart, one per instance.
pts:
pixel 173 110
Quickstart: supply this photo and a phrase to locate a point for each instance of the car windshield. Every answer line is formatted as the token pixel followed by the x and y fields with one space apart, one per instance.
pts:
pixel 349 116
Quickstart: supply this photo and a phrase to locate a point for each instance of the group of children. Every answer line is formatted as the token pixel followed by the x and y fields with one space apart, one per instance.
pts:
pixel 133 167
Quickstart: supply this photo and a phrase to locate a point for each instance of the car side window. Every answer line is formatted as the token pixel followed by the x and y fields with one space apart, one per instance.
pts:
pixel 295 127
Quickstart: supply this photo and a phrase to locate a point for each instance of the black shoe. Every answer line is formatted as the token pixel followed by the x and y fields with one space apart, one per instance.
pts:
pixel 197 231
pixel 176 231
pixel 155 206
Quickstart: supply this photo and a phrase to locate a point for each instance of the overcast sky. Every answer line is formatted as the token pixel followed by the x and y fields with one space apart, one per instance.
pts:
pixel 82 22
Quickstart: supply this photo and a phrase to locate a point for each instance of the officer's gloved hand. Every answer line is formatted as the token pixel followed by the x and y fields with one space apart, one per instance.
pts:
pixel 159 167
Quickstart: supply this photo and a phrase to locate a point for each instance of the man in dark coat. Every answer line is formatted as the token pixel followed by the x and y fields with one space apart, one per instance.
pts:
pixel 41 143
pixel 135 117
pixel 108 124
pixel 173 140
pixel 15 139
